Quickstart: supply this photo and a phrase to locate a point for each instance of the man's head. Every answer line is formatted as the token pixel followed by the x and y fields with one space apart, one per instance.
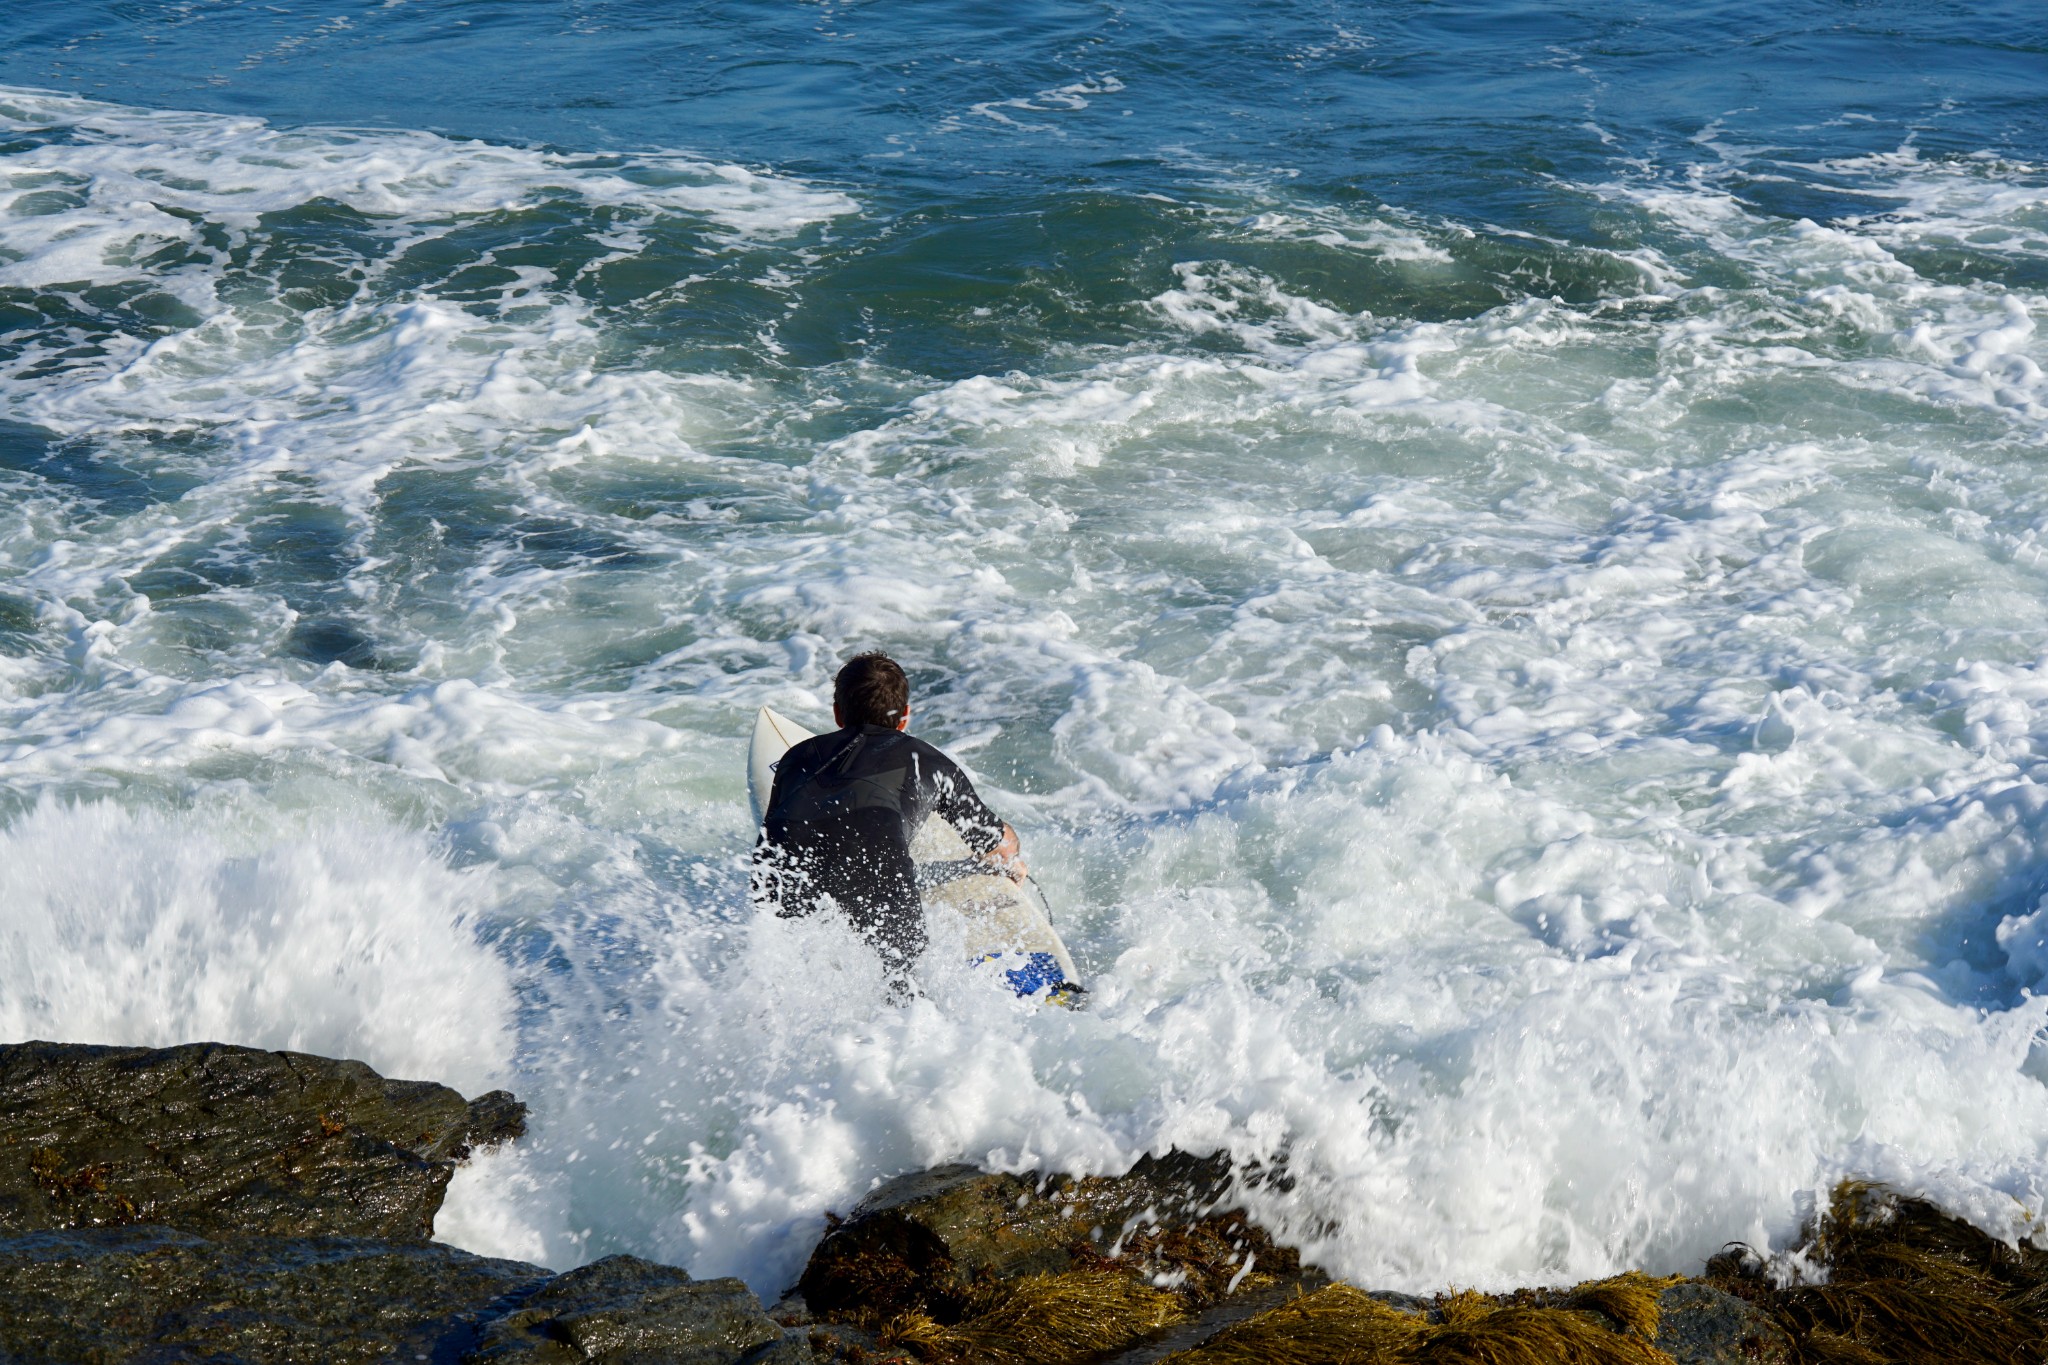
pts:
pixel 871 690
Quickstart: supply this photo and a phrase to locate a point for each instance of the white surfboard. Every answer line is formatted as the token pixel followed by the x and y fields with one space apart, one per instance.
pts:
pixel 999 916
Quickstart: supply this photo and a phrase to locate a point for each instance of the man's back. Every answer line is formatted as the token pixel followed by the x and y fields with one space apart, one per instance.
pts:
pixel 840 819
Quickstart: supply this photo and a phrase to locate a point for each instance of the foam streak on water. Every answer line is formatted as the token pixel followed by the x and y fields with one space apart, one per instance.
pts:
pixel 1542 733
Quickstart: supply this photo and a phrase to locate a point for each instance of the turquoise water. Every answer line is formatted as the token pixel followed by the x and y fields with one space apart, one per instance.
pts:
pixel 1493 553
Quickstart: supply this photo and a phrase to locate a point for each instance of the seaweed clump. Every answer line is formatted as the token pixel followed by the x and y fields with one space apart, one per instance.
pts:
pixel 1604 1322
pixel 1056 1319
pixel 1892 1280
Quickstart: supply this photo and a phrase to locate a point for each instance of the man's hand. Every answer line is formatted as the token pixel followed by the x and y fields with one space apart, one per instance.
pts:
pixel 1007 856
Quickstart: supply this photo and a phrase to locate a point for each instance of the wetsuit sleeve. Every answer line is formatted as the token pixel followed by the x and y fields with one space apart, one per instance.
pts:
pixel 953 796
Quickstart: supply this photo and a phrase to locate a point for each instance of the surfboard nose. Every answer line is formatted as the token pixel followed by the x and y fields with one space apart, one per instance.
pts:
pixel 773 735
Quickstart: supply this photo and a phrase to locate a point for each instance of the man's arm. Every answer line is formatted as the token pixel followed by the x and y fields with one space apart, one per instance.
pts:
pixel 986 833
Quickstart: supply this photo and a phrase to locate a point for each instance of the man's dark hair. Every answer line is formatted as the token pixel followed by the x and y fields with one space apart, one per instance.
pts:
pixel 871 690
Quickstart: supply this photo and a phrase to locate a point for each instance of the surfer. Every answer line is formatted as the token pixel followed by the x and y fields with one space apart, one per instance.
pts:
pixel 845 806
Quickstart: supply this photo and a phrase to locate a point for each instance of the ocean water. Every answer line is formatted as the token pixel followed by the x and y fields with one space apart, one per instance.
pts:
pixel 1497 554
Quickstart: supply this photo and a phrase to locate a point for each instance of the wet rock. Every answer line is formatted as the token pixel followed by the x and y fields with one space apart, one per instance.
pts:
pixel 1037 1267
pixel 932 1241
pixel 92 1295
pixel 1701 1325
pixel 216 1140
pixel 623 1309
pixel 931 1233
pixel 240 1207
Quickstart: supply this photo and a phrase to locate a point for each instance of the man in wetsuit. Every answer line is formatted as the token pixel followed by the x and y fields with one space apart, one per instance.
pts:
pixel 846 805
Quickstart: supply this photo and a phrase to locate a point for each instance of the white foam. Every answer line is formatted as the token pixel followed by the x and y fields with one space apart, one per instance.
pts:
pixel 501 1202
pixel 349 941
pixel 1509 1118
pixel 1566 777
pixel 112 183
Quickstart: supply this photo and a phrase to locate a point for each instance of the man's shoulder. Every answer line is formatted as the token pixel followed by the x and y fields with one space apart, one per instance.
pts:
pixel 886 748
pixel 816 744
pixel 877 745
pixel 806 753
pixel 900 746
pixel 931 757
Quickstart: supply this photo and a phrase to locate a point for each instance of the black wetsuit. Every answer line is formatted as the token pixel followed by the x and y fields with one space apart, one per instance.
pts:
pixel 839 824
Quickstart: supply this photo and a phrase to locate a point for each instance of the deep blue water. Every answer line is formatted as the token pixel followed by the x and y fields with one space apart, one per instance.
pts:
pixel 1461 109
pixel 993 147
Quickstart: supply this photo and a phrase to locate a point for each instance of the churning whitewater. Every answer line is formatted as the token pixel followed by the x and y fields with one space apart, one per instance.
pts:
pixel 1539 726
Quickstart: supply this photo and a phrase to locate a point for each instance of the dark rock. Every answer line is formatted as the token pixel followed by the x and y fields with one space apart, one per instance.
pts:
pixel 1701 1325
pixel 103 1295
pixel 923 1241
pixel 623 1309
pixel 932 1233
pixel 237 1207
pixel 96 1296
pixel 225 1140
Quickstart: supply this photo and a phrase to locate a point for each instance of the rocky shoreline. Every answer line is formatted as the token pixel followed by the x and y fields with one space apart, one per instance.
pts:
pixel 224 1204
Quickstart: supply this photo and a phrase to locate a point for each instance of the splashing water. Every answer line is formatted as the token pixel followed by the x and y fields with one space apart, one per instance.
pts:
pixel 1532 713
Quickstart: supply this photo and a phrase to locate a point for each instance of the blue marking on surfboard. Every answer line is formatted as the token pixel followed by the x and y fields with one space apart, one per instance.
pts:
pixel 1040 972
